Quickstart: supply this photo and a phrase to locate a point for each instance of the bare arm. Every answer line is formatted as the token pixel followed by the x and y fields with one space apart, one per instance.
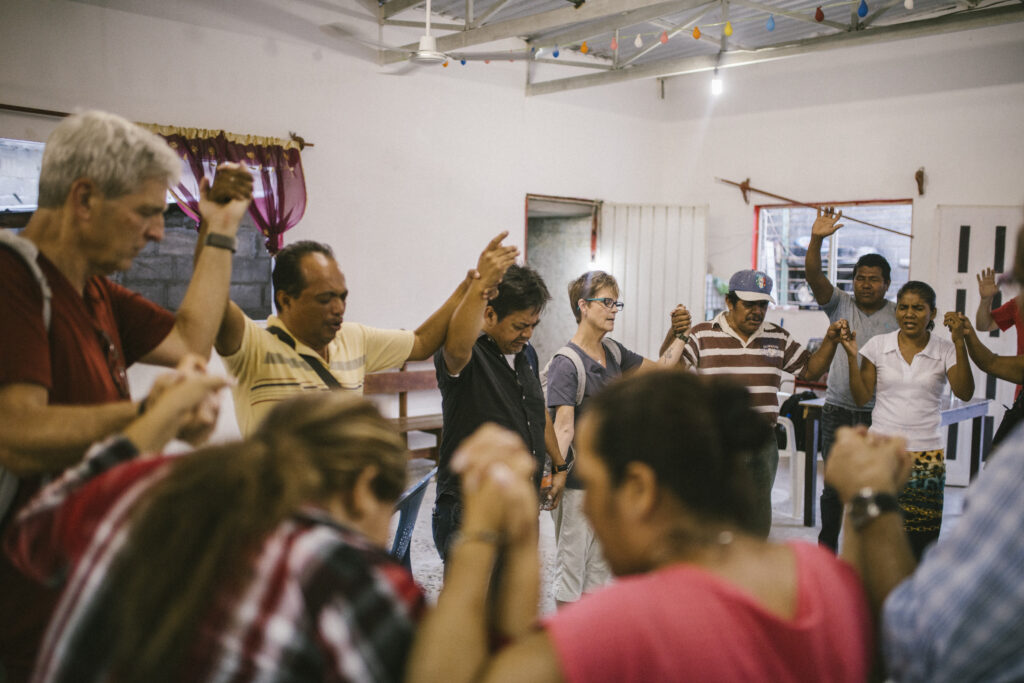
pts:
pixel 430 335
pixel 198 320
pixel 468 316
pixel 824 225
pixel 1009 368
pixel 961 377
pixel 680 329
pixel 36 438
pixel 879 552
pixel 988 289
pixel 558 454
pixel 820 360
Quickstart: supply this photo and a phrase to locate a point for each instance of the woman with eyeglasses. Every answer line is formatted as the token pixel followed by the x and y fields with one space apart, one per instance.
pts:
pixel 257 560
pixel 696 596
pixel 577 372
pixel 907 372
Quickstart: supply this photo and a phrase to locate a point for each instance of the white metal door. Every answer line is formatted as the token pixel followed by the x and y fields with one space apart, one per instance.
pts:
pixel 659 256
pixel 976 237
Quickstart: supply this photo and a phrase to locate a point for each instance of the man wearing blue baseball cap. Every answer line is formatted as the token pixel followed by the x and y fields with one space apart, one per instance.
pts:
pixel 740 344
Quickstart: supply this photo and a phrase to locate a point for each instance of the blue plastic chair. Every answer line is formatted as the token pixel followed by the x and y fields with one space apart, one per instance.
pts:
pixel 408 508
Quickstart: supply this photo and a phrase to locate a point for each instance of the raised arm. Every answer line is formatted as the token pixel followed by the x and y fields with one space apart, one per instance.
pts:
pixel 820 360
pixel 678 330
pixel 961 377
pixel 1009 368
pixel 825 225
pixel 200 317
pixel 988 289
pixel 467 319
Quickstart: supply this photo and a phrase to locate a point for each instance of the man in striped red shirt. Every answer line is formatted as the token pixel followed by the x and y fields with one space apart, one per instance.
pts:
pixel 740 344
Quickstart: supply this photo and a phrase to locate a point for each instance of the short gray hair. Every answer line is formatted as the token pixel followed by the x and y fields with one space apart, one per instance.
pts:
pixel 111 151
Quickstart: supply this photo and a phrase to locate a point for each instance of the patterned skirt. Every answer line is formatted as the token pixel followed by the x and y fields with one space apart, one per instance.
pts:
pixel 921 499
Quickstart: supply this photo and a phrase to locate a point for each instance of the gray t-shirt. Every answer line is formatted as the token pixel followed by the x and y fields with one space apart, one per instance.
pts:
pixel 841 305
pixel 562 383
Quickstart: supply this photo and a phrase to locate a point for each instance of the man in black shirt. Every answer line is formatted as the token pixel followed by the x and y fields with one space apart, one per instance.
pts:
pixel 488 372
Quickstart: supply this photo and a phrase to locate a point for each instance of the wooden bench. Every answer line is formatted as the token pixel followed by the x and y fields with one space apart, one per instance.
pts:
pixel 401 382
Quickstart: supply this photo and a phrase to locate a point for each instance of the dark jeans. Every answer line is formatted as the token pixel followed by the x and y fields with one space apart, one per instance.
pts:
pixel 447 519
pixel 763 466
pixel 832 418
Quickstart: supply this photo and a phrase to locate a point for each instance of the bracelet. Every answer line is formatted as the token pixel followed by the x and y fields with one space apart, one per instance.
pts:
pixel 482 536
pixel 214 239
pixel 142 406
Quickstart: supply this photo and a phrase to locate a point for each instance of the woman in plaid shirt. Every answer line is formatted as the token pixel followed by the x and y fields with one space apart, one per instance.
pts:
pixel 260 560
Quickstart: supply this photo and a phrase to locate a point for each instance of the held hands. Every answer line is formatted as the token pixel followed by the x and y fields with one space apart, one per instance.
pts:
pixel 553 495
pixel 844 335
pixel 185 403
pixel 987 286
pixel 494 261
pixel 680 321
pixel 223 203
pixel 860 460
pixel 827 222
pixel 959 325
pixel 497 487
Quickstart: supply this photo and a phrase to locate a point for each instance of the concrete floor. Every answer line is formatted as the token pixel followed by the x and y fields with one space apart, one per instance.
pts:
pixel 428 569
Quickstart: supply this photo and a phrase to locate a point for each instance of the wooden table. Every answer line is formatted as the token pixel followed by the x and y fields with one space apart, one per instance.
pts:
pixel 975 410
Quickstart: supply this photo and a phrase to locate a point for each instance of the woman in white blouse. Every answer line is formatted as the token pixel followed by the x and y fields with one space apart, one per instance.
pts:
pixel 906 371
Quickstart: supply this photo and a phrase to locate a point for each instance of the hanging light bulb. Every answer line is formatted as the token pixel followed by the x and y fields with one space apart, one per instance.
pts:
pixel 770 24
pixel 664 37
pixel 487 61
pixel 639 42
pixel 583 48
pixel 716 84
pixel 615 44
pixel 819 15
pixel 555 52
pixel 862 10
pixel 696 33
pixel 908 4
pixel 462 62
pixel 728 28
pixel 445 65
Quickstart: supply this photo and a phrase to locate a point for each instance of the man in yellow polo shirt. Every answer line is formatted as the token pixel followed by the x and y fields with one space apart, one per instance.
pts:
pixel 305 347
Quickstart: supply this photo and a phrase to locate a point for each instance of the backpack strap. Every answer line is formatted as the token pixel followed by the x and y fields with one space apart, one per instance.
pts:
pixel 612 347
pixel 29 253
pixel 313 362
pixel 581 373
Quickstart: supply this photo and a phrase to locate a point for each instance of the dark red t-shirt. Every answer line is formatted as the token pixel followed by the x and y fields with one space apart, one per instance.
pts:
pixel 1007 316
pixel 92 339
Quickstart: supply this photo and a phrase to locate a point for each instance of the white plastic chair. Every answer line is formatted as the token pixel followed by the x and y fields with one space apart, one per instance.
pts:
pixel 796 468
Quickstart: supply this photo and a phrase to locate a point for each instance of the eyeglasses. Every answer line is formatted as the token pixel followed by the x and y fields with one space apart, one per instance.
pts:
pixel 608 302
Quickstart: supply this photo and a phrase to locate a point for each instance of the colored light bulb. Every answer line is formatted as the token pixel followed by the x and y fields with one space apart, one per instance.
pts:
pixel 615 44
pixel 819 15
pixel 445 65
pixel 770 24
pixel 664 37
pixel 583 48
pixel 639 42
pixel 462 62
pixel 862 10
pixel 555 53
pixel 728 28
pixel 696 33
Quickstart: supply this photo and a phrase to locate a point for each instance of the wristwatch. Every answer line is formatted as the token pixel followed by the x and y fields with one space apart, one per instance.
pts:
pixel 868 505
pixel 564 467
pixel 214 239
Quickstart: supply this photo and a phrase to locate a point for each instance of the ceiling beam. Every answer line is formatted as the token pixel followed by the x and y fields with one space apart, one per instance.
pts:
pixel 949 23
pixel 809 18
pixel 390 9
pixel 545 21
pixel 616 21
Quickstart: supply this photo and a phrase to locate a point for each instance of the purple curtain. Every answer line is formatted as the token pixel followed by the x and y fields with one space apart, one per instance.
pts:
pixel 279 186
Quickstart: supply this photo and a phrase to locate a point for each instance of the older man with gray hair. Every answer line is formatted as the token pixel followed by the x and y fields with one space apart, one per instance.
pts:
pixel 70 333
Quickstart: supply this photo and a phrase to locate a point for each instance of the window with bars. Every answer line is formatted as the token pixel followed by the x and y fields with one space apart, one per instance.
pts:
pixel 784 233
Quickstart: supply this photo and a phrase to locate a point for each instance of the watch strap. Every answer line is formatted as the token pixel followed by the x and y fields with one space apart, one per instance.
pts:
pixel 219 241
pixel 868 505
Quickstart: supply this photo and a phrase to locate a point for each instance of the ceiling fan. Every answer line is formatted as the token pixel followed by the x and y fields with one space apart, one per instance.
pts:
pixel 426 53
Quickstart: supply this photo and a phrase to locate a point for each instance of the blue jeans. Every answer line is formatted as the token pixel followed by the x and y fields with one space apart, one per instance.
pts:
pixel 832 418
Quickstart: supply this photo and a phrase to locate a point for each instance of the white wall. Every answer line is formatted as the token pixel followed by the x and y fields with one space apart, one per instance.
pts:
pixel 411 175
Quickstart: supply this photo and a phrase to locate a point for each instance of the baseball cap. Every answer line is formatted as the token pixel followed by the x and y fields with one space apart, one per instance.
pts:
pixel 751 285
